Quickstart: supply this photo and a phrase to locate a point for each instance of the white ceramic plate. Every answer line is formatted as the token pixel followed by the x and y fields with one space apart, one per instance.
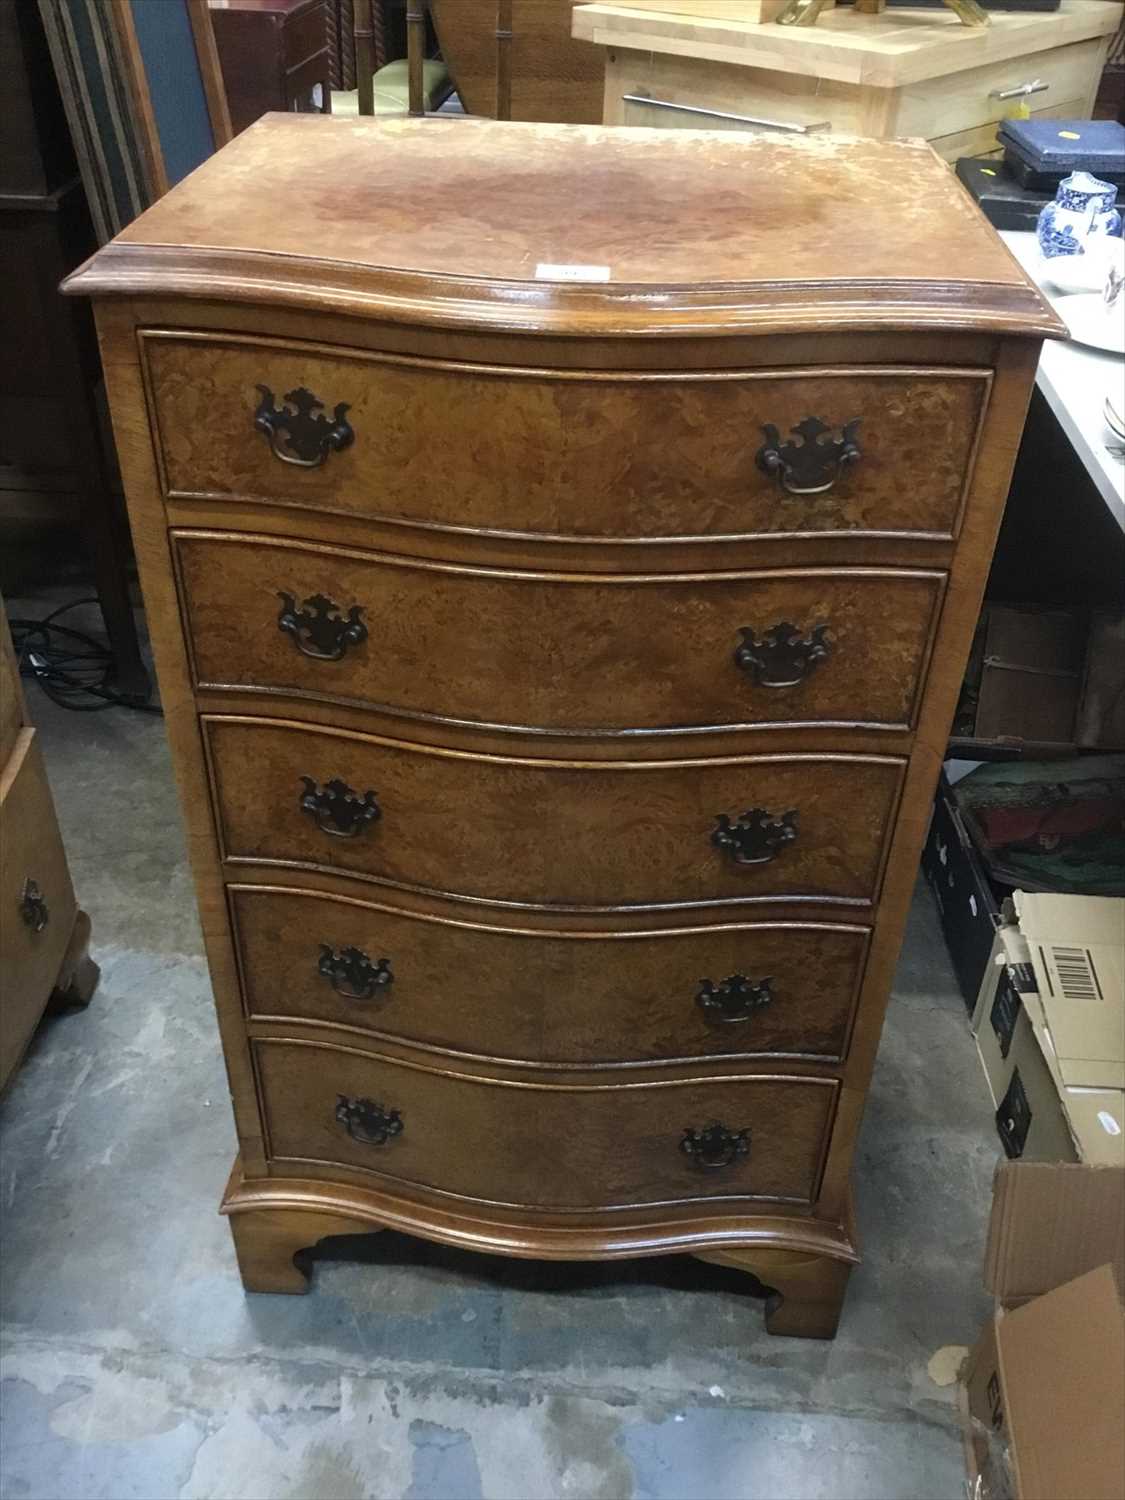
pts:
pixel 1092 323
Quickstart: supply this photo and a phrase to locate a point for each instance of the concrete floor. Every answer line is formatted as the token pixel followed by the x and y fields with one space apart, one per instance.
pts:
pixel 133 1364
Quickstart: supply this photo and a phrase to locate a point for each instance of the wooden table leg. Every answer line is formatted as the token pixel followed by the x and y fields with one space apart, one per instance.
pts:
pixel 267 1239
pixel 804 1293
pixel 78 973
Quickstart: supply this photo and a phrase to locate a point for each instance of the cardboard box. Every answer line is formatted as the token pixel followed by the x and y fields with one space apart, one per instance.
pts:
pixel 1051 1222
pixel 1041 681
pixel 1050 1028
pixel 1043 1394
pixel 1007 980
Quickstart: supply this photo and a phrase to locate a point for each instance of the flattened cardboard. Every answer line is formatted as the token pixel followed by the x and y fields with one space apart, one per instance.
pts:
pixel 1045 1390
pixel 1051 1222
pixel 983 1417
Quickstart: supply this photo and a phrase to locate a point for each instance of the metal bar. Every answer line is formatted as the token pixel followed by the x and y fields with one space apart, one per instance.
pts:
pixel 415 53
pixel 718 114
pixel 503 59
pixel 1021 90
pixel 363 32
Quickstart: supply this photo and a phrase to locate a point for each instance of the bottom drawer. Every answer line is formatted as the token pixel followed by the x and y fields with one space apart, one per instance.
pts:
pixel 35 919
pixel 550 1146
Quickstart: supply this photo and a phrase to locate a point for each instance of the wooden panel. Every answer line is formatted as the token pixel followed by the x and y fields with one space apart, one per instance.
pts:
pixel 30 848
pixel 582 834
pixel 554 77
pixel 943 106
pixel 12 709
pixel 559 996
pixel 760 93
pixel 756 11
pixel 540 452
pixel 982 140
pixel 556 651
pixel 548 1147
pixel 883 51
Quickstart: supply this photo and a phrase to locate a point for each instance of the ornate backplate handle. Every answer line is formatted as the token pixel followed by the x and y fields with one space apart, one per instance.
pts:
pixel 368 1122
pixel 33 906
pixel 735 999
pixel 714 1146
pixel 353 974
pixel 815 462
pixel 336 809
pixel 319 628
pixel 299 431
pixel 783 657
pixel 755 836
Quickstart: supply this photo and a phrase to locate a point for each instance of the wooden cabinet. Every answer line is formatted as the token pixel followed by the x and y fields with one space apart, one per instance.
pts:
pixel 873 75
pixel 558 663
pixel 43 934
pixel 274 54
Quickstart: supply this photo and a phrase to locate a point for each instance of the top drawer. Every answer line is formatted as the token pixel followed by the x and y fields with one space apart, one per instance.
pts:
pixel 543 453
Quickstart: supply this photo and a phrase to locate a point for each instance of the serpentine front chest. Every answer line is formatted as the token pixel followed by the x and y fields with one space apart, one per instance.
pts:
pixel 561 547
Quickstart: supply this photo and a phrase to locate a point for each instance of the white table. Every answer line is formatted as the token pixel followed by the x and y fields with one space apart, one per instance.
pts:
pixel 1075 382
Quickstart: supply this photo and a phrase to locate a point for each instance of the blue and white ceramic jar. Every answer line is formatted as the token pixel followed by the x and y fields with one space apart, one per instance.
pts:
pixel 1084 211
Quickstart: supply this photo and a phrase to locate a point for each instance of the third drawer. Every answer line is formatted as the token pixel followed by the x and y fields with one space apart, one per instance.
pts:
pixel 570 834
pixel 561 995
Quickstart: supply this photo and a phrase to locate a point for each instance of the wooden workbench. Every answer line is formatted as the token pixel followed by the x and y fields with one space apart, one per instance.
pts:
pixel 901 73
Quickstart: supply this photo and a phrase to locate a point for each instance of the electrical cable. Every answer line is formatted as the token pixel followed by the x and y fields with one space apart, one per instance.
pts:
pixel 70 666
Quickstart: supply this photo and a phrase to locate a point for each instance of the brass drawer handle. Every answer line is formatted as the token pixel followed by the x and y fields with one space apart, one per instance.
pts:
pixel 320 629
pixel 783 657
pixel 812 465
pixel 720 114
pixel 714 1146
pixel 299 432
pixel 367 1122
pixel 336 809
pixel 33 907
pixel 734 1000
pixel 755 836
pixel 353 974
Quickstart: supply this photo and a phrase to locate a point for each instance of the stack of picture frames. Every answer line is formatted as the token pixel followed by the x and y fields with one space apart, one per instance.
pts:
pixel 143 94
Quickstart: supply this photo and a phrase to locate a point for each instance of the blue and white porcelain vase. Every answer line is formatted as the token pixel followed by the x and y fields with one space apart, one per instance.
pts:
pixel 1083 213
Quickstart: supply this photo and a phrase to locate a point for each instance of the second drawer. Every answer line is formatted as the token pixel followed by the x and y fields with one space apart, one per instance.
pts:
pixel 561 652
pixel 563 996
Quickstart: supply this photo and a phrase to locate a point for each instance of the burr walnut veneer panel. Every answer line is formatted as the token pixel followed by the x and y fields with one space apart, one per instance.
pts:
pixel 586 1145
pixel 550 833
pixel 567 453
pixel 564 996
pixel 566 652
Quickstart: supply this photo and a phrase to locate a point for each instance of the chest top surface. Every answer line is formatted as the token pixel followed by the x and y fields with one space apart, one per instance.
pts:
pixel 576 228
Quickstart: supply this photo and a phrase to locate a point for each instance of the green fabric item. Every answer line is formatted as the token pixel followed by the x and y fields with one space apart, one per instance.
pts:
pixel 1056 825
pixel 392 89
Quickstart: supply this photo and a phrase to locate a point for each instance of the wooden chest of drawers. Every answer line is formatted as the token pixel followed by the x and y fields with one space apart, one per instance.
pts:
pixel 560 606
